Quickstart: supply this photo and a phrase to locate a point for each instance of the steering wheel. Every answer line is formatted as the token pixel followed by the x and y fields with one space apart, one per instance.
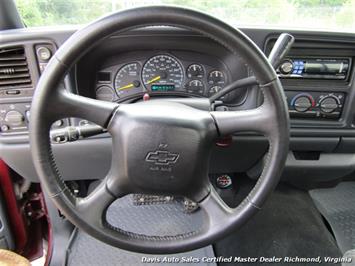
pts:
pixel 159 147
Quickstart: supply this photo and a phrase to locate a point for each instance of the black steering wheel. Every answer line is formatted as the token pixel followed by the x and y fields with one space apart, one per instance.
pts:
pixel 142 131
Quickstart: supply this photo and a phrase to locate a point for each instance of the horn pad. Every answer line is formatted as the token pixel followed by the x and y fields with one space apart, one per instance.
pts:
pixel 163 148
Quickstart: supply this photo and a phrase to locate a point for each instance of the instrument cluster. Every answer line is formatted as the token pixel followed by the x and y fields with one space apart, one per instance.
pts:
pixel 161 73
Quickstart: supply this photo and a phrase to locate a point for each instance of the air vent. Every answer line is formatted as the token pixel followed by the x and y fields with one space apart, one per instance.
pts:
pixel 14 72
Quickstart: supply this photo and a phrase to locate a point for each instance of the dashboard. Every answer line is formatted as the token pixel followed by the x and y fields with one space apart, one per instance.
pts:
pixel 163 72
pixel 317 76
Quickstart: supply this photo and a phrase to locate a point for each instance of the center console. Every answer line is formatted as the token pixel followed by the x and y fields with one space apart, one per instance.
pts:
pixel 308 70
pixel 305 70
pixel 317 76
pixel 315 105
pixel 316 86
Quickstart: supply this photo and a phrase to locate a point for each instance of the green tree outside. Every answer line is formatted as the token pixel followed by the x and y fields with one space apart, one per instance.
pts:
pixel 327 14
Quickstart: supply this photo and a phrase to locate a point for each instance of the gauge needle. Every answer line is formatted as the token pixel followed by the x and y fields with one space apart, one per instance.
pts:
pixel 153 79
pixel 126 87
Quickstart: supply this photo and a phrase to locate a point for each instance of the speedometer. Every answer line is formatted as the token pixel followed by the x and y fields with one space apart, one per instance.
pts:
pixel 162 71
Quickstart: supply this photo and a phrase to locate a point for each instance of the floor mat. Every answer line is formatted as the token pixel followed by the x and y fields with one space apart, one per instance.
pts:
pixel 289 225
pixel 155 219
pixel 337 205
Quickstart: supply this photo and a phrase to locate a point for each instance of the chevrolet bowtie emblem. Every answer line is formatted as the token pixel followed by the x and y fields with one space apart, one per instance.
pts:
pixel 162 157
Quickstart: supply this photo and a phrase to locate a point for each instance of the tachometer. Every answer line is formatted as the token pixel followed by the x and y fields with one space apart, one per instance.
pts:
pixel 127 80
pixel 162 70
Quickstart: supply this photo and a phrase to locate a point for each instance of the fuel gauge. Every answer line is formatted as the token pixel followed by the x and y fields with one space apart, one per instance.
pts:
pixel 105 93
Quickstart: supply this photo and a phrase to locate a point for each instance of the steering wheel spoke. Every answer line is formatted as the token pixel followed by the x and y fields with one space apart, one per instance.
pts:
pixel 216 209
pixel 93 207
pixel 72 105
pixel 257 120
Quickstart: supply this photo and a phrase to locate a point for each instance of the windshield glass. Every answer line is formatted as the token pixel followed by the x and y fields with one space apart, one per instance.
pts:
pixel 334 15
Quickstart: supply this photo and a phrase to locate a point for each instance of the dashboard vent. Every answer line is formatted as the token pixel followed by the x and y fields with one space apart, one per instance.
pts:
pixel 14 70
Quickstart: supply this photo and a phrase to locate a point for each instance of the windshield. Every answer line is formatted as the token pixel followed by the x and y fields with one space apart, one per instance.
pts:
pixel 333 15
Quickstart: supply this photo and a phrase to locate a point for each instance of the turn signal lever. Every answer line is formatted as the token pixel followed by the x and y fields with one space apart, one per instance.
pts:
pixel 70 134
pixel 281 47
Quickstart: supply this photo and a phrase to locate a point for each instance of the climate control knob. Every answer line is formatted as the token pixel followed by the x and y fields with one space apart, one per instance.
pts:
pixel 329 104
pixel 302 103
pixel 14 118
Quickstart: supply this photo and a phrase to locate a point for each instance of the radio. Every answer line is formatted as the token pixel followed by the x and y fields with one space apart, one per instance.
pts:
pixel 315 105
pixel 315 68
